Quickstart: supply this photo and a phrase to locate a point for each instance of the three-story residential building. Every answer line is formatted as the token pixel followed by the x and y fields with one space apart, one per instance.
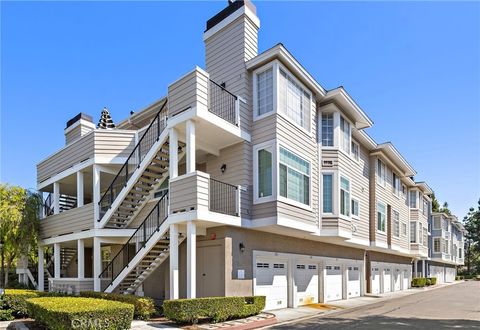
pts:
pixel 248 177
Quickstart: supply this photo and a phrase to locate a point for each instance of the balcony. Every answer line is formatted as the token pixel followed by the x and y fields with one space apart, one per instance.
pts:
pixel 418 250
pixel 71 221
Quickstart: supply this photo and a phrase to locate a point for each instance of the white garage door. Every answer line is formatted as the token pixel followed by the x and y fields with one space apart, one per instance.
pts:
pixel 406 279
pixel 449 274
pixel 438 272
pixel 271 282
pixel 397 279
pixel 333 282
pixel 353 284
pixel 387 279
pixel 375 280
pixel 306 283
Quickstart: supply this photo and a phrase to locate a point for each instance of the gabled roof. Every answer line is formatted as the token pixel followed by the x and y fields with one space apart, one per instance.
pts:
pixel 424 187
pixel 394 155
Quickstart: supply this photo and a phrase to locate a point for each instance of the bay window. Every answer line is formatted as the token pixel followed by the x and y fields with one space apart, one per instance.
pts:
pixel 381 216
pixel 396 224
pixel 293 100
pixel 355 208
pixel 381 172
pixel 264 166
pixel 436 245
pixel 327 193
pixel 265 92
pixel 327 129
pixel 344 196
pixel 294 178
pixel 413 232
pixel 345 135
pixel 413 199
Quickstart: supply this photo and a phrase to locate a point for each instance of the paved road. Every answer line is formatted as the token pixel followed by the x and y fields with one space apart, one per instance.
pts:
pixel 455 306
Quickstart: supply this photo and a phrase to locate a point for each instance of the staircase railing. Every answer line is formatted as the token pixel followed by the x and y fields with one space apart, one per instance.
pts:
pixel 143 146
pixel 48 205
pixel 223 198
pixel 223 103
pixel 137 241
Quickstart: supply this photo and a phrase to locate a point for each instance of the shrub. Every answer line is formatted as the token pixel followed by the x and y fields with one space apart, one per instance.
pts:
pixel 144 306
pixel 6 315
pixel 15 299
pixel 433 280
pixel 419 282
pixel 216 309
pixel 61 313
pixel 428 281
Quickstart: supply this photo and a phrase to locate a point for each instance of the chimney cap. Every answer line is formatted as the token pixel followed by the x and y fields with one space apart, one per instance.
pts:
pixel 233 6
pixel 81 115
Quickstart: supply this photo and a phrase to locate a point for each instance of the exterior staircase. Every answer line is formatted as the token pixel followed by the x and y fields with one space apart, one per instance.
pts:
pixel 142 174
pixel 146 249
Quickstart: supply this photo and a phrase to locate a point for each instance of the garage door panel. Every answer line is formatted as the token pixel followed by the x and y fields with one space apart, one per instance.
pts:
pixel 306 283
pixel 353 283
pixel 333 282
pixel 387 280
pixel 397 279
pixel 271 282
pixel 375 280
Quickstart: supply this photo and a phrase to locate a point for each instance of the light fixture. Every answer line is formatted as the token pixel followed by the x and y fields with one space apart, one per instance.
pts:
pixel 223 168
pixel 241 246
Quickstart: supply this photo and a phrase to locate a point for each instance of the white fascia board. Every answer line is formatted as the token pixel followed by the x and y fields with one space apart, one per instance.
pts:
pixel 340 94
pixel 244 10
pixel 64 174
pixel 107 233
pixel 78 123
pixel 389 149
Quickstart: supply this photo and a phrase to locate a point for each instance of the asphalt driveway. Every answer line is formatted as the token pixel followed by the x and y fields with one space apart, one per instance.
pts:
pixel 455 306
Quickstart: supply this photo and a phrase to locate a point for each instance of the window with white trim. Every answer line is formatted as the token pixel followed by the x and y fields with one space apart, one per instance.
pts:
pixel 293 100
pixel 425 207
pixel 327 193
pixel 420 231
pixel 381 216
pixel 327 129
pixel 396 184
pixel 437 222
pixel 436 245
pixel 294 177
pixel 264 166
pixel 355 208
pixel 413 199
pixel 425 237
pixel 404 229
pixel 445 246
pixel 396 223
pixel 345 135
pixel 355 150
pixel 344 196
pixel 381 172
pixel 265 92
pixel 460 254
pixel 413 232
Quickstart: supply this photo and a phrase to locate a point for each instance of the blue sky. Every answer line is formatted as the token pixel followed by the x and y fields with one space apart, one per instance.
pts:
pixel 413 67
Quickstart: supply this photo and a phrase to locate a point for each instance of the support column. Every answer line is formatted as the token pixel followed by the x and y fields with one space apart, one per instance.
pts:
pixel 173 153
pixel 345 282
pixel 415 268
pixel 56 260
pixel 174 262
pixel 424 271
pixel 190 133
pixel 56 198
pixel 41 270
pixel 96 193
pixel 81 258
pixel 191 259
pixel 97 264
pixel 79 189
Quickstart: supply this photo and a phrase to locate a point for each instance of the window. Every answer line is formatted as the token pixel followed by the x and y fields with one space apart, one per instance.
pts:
pixel 264 173
pixel 300 266
pixel 436 245
pixel 425 237
pixel 265 92
pixel 294 101
pixel 437 223
pixel 345 135
pixel 460 255
pixel 312 266
pixel 404 190
pixel 396 224
pixel 344 196
pixel 381 216
pixel 279 266
pixel 355 208
pixel 396 184
pixel 381 172
pixel 420 231
pixel 262 265
pixel 404 229
pixel 425 207
pixel 294 177
pixel 355 150
pixel 327 193
pixel 445 246
pixel 413 199
pixel 327 129
pixel 413 232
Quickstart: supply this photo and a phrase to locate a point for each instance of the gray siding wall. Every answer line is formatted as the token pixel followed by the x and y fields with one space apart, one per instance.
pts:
pixel 187 92
pixel 112 144
pixel 67 222
pixel 189 193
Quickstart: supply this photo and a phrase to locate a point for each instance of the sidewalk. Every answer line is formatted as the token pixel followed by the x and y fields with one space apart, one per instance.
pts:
pixel 291 315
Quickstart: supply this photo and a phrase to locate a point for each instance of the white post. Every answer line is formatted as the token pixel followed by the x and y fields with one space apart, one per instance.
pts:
pixel 238 200
pixel 424 271
pixel 56 260
pixel 237 111
pixel 190 133
pixel 97 264
pixel 415 268
pixel 41 271
pixel 191 259
pixel 56 198
pixel 345 282
pixel 173 153
pixel 79 188
pixel 81 258
pixel 174 262
pixel 96 194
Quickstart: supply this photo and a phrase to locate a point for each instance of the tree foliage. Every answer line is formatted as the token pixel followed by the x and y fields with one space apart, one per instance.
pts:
pixel 19 215
pixel 437 208
pixel 472 226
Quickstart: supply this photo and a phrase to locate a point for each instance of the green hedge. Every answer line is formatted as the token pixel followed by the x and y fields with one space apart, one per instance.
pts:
pixel 144 306
pixel 216 309
pixel 15 300
pixel 62 313
pixel 419 282
pixel 433 280
pixel 6 315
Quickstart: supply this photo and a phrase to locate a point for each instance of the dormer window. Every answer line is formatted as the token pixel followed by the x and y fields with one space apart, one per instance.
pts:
pixel 294 101
pixel 345 135
pixel 327 129
pixel 265 92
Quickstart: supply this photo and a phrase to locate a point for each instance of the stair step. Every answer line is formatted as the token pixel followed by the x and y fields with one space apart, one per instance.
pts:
pixel 148 180
pixel 160 162
pixel 138 192
pixel 157 169
pixel 152 175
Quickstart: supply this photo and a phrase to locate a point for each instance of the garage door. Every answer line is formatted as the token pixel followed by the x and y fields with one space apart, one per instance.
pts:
pixel 271 282
pixel 306 283
pixel 406 279
pixel 353 284
pixel 333 282
pixel 438 272
pixel 375 280
pixel 449 274
pixel 397 279
pixel 387 279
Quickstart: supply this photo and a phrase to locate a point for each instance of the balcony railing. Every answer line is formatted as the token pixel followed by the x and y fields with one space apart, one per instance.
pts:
pixel 224 198
pixel 223 103
pixel 65 203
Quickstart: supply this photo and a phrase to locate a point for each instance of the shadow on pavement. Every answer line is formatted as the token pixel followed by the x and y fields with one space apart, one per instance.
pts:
pixel 380 322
